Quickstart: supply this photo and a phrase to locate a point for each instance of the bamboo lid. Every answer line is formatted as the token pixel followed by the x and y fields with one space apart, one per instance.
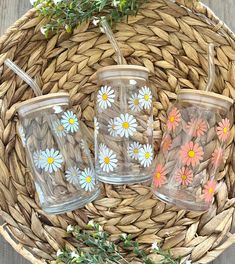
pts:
pixel 205 98
pixel 122 71
pixel 35 103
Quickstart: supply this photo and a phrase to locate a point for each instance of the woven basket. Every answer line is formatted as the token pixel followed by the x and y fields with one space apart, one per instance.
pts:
pixel 170 38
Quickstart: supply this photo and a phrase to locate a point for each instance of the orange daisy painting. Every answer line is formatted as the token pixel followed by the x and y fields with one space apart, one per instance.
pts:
pixel 209 190
pixel 223 129
pixel 217 157
pixel 159 177
pixel 174 118
pixel 191 153
pixel 184 176
pixel 197 127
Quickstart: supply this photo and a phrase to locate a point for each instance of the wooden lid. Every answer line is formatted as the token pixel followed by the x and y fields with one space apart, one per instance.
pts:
pixel 205 98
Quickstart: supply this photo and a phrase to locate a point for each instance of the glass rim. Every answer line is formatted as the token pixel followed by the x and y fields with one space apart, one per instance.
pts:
pixel 205 97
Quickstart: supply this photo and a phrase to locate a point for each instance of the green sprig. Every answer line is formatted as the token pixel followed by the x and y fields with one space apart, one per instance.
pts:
pixel 96 248
pixel 67 14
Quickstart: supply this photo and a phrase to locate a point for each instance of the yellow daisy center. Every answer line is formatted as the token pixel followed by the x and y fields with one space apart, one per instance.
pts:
pixel 158 175
pixel 184 177
pixel 136 151
pixel 105 97
pixel 136 102
pixel 50 160
pixel 113 126
pixel 88 179
pixel 106 160
pixel 225 130
pixel 71 121
pixel 146 97
pixel 172 119
pixel 125 125
pixel 210 190
pixel 60 128
pixel 191 154
pixel 147 155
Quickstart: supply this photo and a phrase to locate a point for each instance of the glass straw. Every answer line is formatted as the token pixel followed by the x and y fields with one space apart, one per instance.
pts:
pixel 211 67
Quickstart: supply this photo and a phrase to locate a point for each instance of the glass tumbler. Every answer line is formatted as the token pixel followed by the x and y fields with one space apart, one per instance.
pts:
pixel 193 149
pixel 123 125
pixel 57 152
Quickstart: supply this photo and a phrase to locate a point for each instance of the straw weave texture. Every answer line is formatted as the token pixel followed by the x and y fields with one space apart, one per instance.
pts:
pixel 171 40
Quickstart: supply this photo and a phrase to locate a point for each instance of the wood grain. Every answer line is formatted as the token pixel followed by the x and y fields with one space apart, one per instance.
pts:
pixel 11 10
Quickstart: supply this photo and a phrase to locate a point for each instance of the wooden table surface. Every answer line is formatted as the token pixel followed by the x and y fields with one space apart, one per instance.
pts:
pixel 11 10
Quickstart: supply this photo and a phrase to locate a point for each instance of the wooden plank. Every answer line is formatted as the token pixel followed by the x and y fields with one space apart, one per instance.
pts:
pixel 11 10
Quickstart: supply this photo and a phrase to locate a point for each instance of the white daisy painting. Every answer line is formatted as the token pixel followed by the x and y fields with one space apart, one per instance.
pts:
pixel 108 160
pixel 112 128
pixel 59 129
pixel 105 97
pixel 134 103
pixel 51 160
pixel 96 127
pixel 37 159
pixel 145 97
pixel 72 175
pixel 22 135
pixel 134 150
pixel 126 125
pixel 146 155
pixel 70 121
pixel 87 180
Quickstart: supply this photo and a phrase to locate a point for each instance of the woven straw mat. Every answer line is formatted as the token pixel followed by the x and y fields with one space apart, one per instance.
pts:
pixel 168 37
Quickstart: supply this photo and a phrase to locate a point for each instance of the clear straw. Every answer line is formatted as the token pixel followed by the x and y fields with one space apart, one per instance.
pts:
pixel 211 67
pixel 109 33
pixel 24 76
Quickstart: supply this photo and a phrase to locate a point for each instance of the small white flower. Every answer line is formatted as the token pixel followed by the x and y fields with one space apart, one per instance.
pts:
pixel 87 180
pixel 96 21
pixel 124 235
pixel 96 127
pixel 134 103
pixel 145 97
pixel 57 1
pixel 107 160
pixel 43 30
pixel 57 109
pixel 133 150
pixel 51 160
pixel 155 246
pixel 59 253
pixel 105 97
pixel 72 175
pixel 188 262
pixel 70 121
pixel 59 129
pixel 70 228
pixel 32 2
pixel 112 128
pixel 91 223
pixel 102 147
pixel 116 3
pixel 74 255
pixel 22 135
pixel 37 159
pixel 132 82
pixel 146 155
pixel 126 125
